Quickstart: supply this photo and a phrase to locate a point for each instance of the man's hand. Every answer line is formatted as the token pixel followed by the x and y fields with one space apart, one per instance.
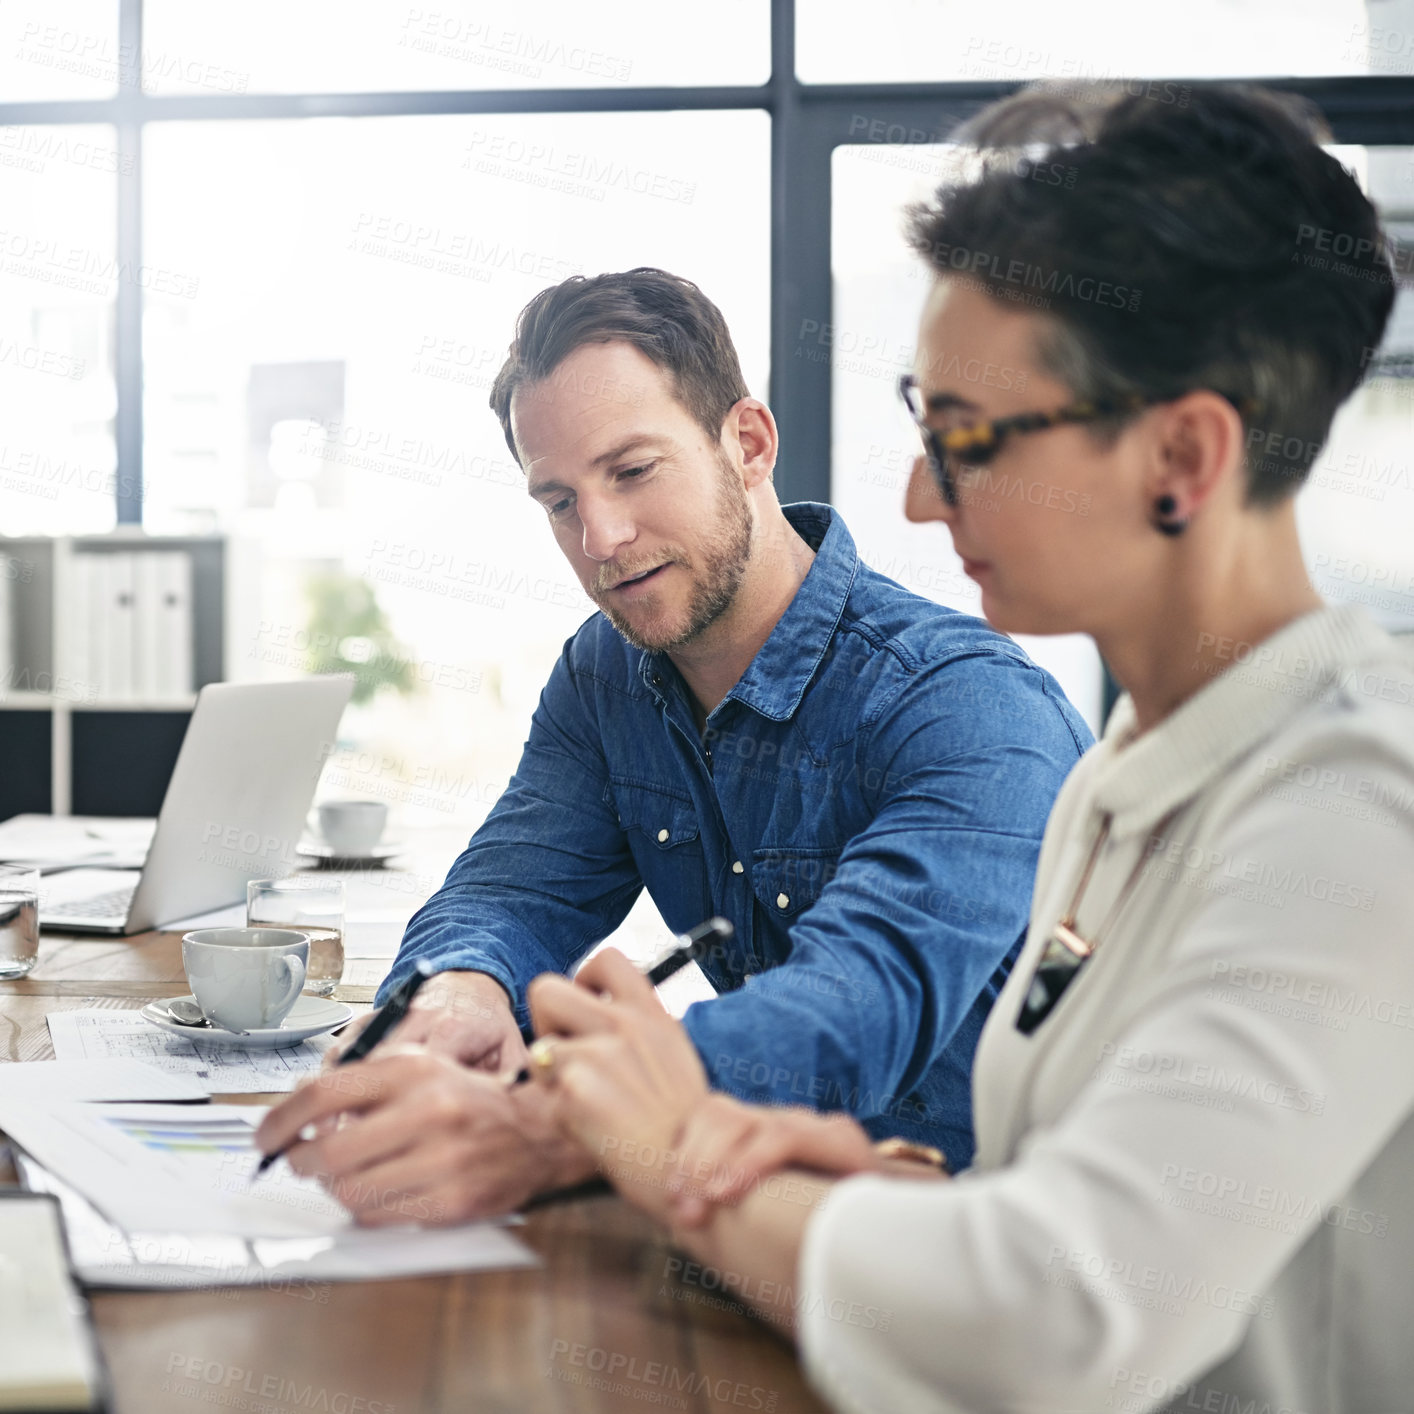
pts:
pixel 464 1015
pixel 423 1139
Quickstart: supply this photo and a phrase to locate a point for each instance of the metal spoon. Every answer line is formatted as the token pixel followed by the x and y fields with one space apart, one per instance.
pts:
pixel 185 1012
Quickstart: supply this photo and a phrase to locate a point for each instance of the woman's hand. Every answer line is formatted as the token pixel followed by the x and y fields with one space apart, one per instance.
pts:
pixel 729 1148
pixel 629 1086
pixel 623 1073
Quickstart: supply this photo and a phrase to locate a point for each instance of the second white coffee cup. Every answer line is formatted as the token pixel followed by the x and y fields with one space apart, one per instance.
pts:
pixel 352 827
pixel 245 979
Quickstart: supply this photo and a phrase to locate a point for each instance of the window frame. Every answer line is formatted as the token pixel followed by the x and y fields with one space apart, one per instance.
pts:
pixel 808 121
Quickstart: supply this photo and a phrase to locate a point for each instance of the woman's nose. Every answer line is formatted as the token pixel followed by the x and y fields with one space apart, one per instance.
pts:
pixel 922 500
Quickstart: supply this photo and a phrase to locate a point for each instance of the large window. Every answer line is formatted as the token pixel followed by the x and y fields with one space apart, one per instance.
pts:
pixel 60 273
pixel 340 295
pixel 879 290
pixel 261 262
pixel 1356 512
pixel 360 46
pixel 50 51
pixel 940 41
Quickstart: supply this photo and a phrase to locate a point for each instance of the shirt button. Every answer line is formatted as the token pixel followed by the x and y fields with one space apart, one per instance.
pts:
pixel 738 867
pixel 662 837
pixel 657 679
pixel 782 900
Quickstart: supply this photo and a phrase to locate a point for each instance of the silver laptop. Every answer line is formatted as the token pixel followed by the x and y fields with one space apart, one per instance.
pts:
pixel 234 809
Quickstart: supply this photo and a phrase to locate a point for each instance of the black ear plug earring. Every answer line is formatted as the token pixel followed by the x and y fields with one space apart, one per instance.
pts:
pixel 1166 524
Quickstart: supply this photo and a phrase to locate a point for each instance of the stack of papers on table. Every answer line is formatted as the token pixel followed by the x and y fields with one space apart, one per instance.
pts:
pixel 96 1034
pixel 48 842
pixel 117 1079
pixel 155 1196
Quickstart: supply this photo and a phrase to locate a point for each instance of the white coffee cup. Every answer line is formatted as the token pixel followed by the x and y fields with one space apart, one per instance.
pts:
pixel 352 827
pixel 245 979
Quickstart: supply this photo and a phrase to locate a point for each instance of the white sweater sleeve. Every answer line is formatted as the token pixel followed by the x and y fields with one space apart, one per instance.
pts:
pixel 1033 1287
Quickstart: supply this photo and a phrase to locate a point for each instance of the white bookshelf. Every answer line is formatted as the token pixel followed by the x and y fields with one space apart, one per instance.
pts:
pixel 45 676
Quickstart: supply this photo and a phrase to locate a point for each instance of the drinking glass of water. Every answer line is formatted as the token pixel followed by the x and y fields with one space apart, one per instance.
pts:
pixel 309 904
pixel 19 920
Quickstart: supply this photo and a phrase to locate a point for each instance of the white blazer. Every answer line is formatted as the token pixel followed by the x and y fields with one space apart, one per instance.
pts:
pixel 1194 1183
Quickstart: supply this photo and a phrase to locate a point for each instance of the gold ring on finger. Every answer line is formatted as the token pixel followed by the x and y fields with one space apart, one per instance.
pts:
pixel 542 1056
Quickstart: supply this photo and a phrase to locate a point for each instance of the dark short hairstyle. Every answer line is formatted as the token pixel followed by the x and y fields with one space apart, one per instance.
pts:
pixel 666 318
pixel 1176 238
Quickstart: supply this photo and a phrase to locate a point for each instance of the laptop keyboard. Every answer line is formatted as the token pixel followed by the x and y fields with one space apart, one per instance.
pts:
pixel 110 906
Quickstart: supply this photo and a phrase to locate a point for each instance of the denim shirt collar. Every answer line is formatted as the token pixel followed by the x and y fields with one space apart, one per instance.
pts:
pixel 776 678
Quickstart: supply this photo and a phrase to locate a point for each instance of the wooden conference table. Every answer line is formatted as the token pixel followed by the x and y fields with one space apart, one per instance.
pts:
pixel 608 1323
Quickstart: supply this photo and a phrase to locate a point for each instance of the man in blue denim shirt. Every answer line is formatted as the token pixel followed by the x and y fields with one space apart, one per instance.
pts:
pixel 759 726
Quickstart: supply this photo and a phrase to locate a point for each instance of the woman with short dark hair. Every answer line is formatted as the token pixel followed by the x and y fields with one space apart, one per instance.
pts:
pixel 1194 1099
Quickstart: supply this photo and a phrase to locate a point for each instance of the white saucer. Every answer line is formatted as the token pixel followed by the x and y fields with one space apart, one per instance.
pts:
pixel 326 853
pixel 310 1016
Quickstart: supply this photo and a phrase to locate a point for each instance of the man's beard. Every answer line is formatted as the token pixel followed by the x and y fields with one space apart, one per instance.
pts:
pixel 724 568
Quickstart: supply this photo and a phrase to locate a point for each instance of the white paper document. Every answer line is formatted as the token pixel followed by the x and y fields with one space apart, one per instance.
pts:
pixel 52 841
pixel 232 915
pixel 366 971
pixel 374 936
pixel 109 1254
pixel 115 1078
pixel 166 1168
pixel 101 1035
pixel 401 890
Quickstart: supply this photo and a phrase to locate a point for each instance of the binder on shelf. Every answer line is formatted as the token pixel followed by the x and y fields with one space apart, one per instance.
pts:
pixel 8 682
pixel 100 575
pixel 121 616
pixel 174 636
pixel 131 625
pixel 148 667
pixel 77 616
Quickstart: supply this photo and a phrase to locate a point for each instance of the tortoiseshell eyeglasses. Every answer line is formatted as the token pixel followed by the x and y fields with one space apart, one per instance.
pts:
pixel 977 443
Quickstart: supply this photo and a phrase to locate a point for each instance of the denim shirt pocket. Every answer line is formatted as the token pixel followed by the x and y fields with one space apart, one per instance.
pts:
pixel 787 881
pixel 664 820
pixel 665 836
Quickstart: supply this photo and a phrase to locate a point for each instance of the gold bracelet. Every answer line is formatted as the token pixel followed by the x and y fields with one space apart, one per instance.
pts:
pixel 913 1153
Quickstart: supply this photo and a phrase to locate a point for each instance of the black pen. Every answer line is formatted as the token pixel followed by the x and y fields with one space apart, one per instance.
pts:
pixel 391 1012
pixel 692 947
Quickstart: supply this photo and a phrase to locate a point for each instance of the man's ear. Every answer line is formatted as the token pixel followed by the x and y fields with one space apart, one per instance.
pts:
pixel 750 425
pixel 1201 444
